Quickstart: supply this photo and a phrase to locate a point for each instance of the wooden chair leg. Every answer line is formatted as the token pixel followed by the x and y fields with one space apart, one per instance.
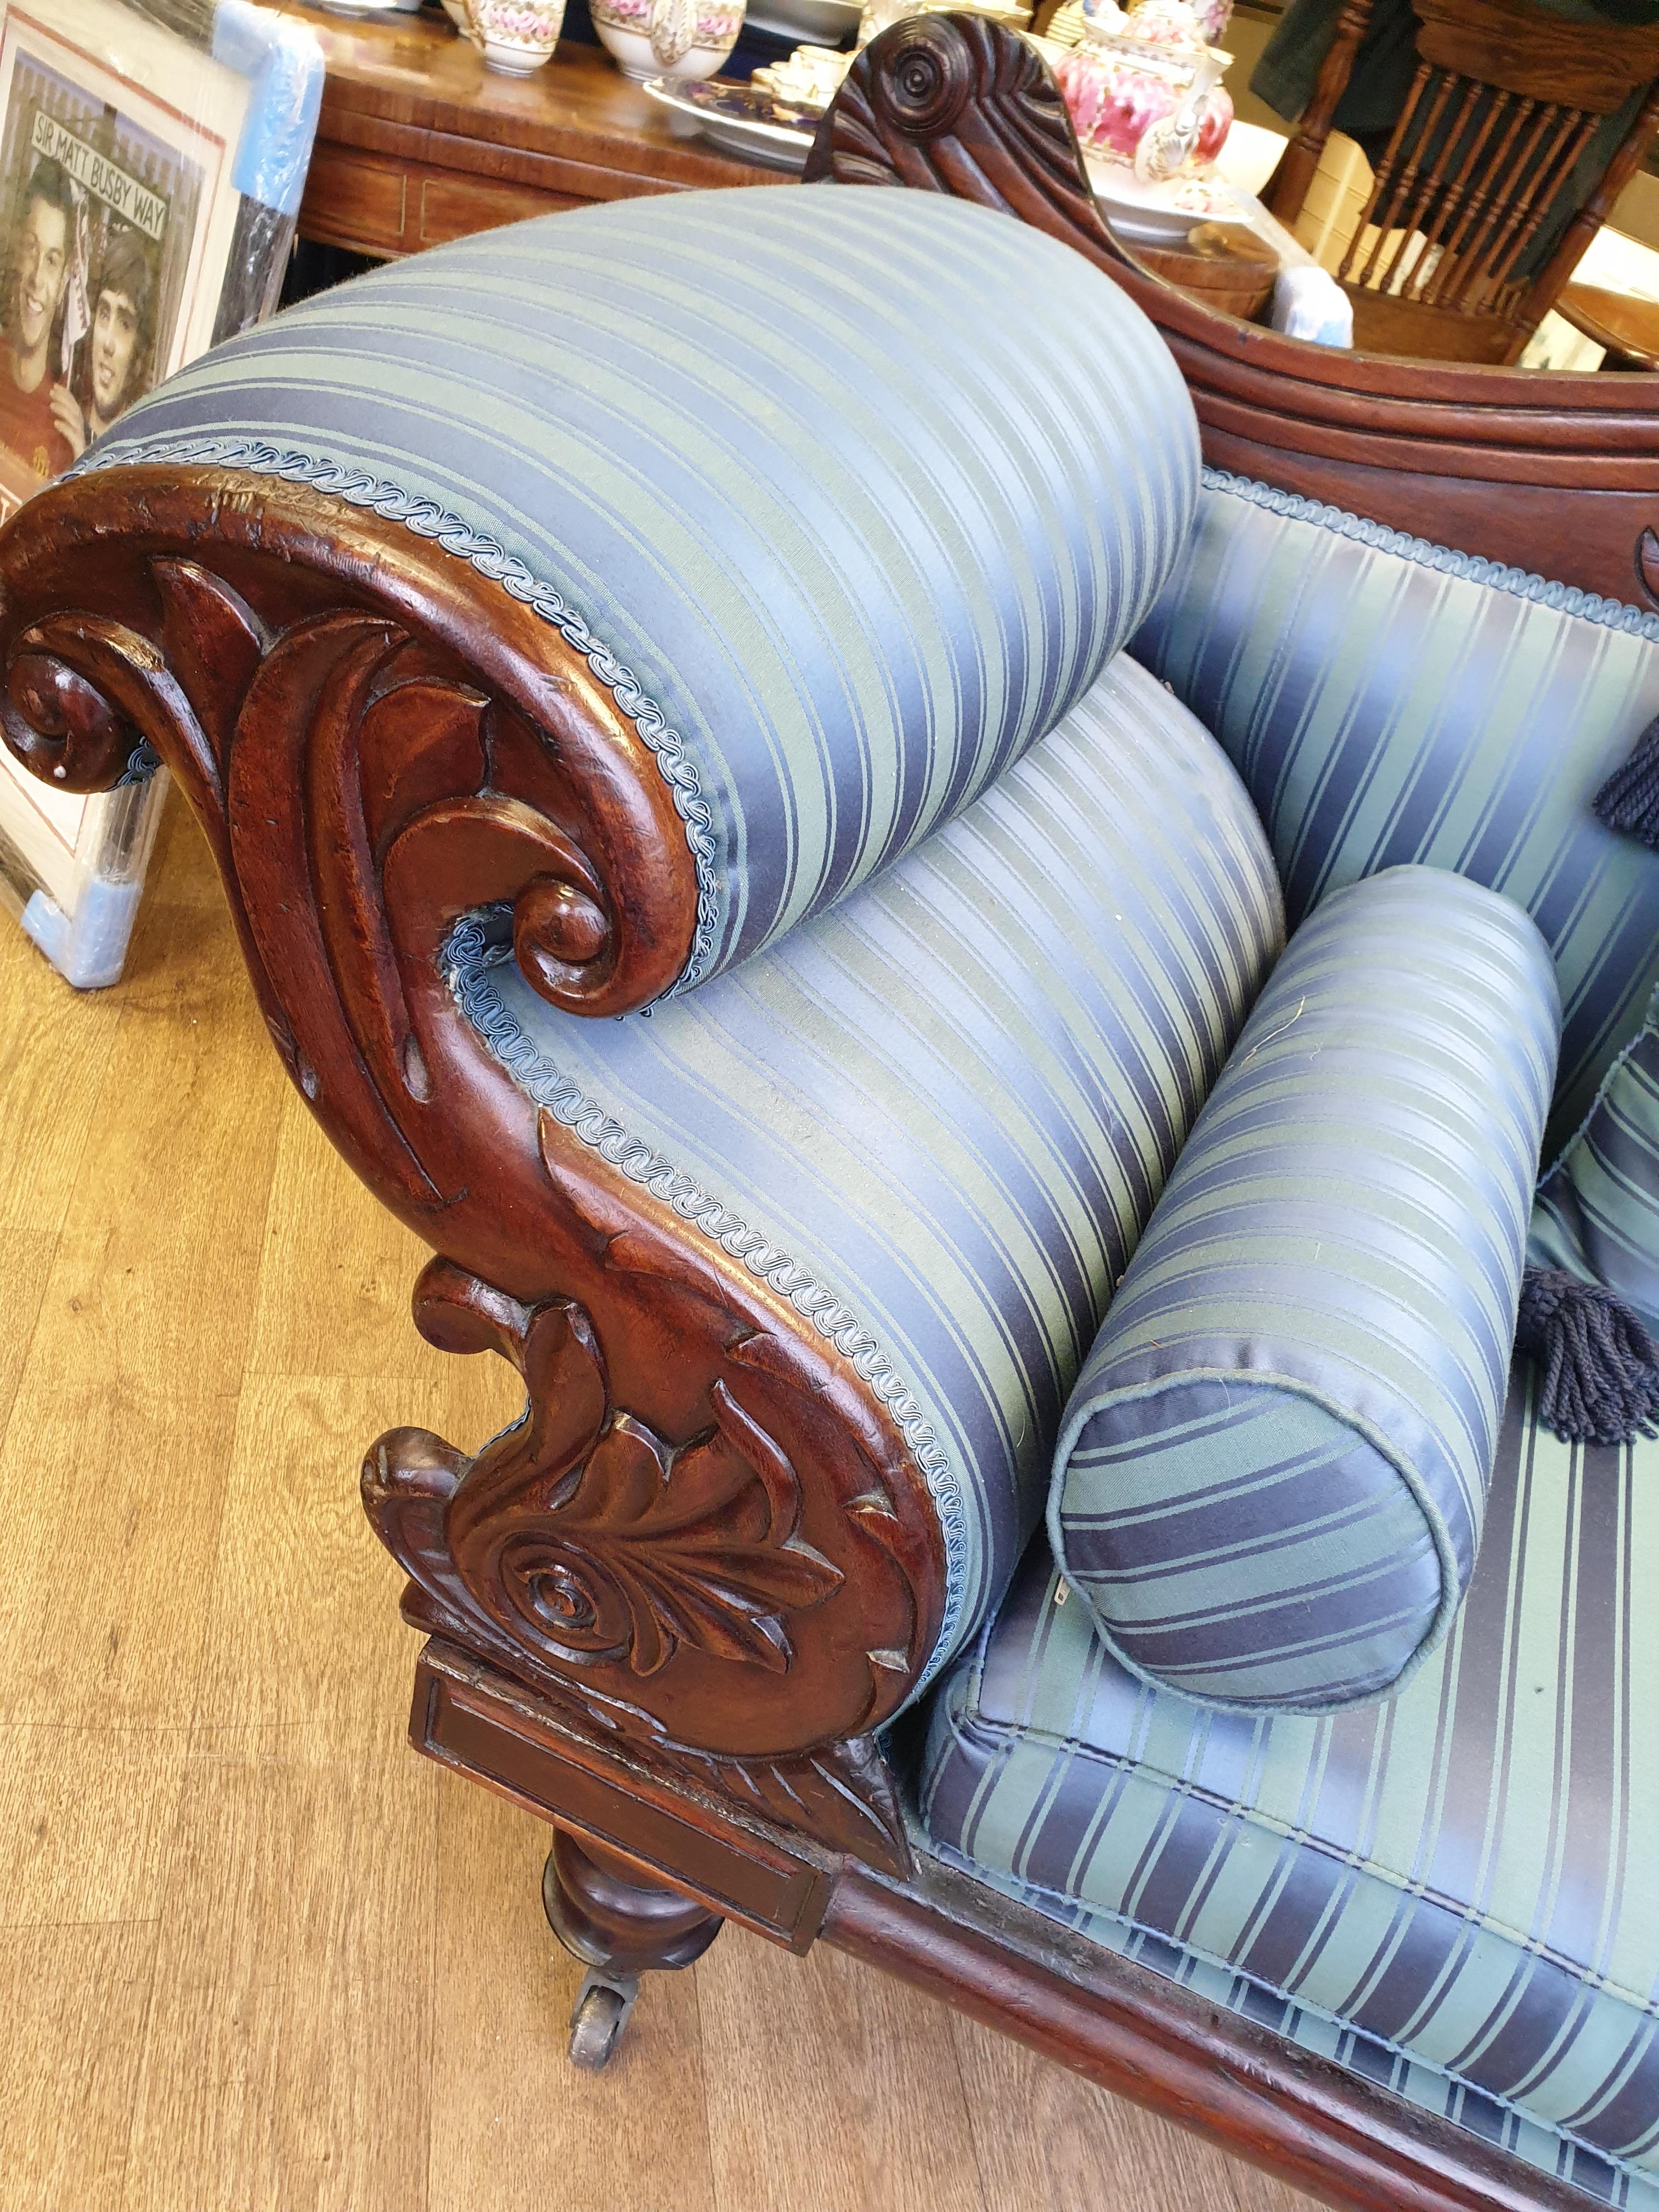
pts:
pixel 621 1924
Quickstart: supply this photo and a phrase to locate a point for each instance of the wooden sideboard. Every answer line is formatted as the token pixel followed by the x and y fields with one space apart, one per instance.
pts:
pixel 419 144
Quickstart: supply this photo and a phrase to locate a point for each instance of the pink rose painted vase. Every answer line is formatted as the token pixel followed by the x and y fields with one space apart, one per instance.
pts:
pixel 1143 88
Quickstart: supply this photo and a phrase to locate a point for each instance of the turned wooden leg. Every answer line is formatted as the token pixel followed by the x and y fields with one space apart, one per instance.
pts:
pixel 621 1924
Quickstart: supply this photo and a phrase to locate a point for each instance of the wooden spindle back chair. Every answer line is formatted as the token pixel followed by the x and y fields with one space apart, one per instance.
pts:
pixel 1506 102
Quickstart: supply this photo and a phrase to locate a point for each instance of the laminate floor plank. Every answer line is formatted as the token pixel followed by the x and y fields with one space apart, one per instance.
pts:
pixel 831 2087
pixel 287 2052
pixel 255 1954
pixel 514 2124
pixel 112 1464
pixel 1045 2137
pixel 303 1638
pixel 357 1264
pixel 54 1046
pixel 74 2000
pixel 86 1819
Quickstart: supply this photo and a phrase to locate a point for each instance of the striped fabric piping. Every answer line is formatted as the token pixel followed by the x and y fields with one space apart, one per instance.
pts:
pixel 467 957
pixel 427 518
pixel 1522 583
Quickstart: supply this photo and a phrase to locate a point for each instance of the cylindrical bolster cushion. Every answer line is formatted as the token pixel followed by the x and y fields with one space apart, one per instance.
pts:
pixel 1270 1478
pixel 848 495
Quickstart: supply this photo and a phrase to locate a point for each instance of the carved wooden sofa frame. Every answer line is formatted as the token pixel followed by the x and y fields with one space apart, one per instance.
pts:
pixel 1553 472
pixel 583 1622
pixel 673 1640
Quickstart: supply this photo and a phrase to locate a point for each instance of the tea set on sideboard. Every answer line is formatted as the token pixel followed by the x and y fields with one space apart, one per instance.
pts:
pixel 1174 174
pixel 1142 83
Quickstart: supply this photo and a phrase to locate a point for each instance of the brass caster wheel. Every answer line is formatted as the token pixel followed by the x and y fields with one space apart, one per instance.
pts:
pixel 599 2017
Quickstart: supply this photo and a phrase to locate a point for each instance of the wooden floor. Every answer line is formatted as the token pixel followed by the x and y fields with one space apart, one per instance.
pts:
pixel 253 1952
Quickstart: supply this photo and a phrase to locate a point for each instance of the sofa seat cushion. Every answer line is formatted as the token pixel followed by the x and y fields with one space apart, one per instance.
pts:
pixel 1272 1474
pixel 938 1116
pixel 848 496
pixel 1387 700
pixel 1461 1875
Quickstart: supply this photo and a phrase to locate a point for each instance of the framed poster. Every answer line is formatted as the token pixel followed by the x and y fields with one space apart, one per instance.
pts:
pixel 149 180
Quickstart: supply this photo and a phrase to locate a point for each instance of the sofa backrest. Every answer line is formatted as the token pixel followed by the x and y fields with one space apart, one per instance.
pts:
pixel 1389 701
pixel 847 496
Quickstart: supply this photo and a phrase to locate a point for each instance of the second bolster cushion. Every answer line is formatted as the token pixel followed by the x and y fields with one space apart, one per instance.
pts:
pixel 1270 1480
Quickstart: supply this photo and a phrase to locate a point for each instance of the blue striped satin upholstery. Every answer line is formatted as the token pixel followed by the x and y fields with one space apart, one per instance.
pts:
pixel 1597 1214
pixel 1384 703
pixel 851 495
pixel 1451 1892
pixel 938 1116
pixel 1270 1479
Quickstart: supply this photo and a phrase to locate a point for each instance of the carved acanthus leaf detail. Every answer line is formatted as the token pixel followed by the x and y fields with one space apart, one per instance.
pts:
pixel 714 1525
pixel 580 1536
pixel 841 1797
pixel 653 1547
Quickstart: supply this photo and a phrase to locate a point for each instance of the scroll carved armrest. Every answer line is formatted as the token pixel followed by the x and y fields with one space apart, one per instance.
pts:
pixel 707 1537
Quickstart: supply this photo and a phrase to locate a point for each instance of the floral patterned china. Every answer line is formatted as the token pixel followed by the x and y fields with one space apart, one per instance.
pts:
pixel 514 36
pixel 651 38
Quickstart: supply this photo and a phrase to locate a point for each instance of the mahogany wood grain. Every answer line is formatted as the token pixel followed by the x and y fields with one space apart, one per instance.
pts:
pixel 418 142
pixel 1287 188
pixel 1523 49
pixel 256 1953
pixel 607 1911
pixel 1236 279
pixel 709 1532
pixel 1349 2143
pixel 1557 474
pixel 1597 209
pixel 470 1718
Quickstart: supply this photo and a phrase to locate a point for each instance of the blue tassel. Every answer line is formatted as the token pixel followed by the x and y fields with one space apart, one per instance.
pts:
pixel 1629 800
pixel 1597 1368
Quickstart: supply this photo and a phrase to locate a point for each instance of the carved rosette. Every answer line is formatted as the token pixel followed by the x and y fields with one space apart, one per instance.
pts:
pixel 584 1539
pixel 747 1573
pixel 957 104
pixel 706 1534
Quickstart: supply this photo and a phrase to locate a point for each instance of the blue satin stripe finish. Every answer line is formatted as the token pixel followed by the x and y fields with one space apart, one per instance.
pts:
pixel 1381 710
pixel 864 490
pixel 937 1117
pixel 1597 1214
pixel 1270 1480
pixel 1452 1890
